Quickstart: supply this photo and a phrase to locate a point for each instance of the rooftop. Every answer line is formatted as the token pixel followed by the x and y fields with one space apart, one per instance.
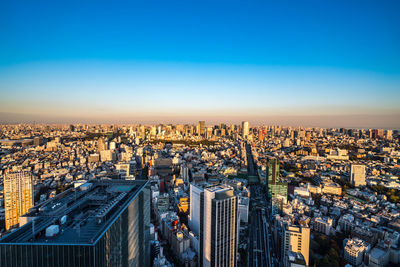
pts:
pixel 83 214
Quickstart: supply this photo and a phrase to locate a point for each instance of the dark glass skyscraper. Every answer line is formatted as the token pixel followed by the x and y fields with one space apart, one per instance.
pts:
pixel 101 223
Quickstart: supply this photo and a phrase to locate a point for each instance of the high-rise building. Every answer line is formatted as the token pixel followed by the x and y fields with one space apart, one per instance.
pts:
pixel 245 129
pixel 297 239
pixel 373 134
pixel 214 219
pixel 272 171
pixel 101 223
pixel 389 134
pixel 196 197
pixel 18 196
pixel 37 140
pixel 101 145
pixel 277 190
pixel 201 128
pixel 357 176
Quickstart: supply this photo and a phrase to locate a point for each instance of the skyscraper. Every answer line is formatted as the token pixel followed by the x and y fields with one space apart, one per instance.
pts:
pixel 101 145
pixel 213 217
pixel 101 223
pixel 357 176
pixel 245 129
pixel 297 239
pixel 201 128
pixel 18 196
pixel 277 190
pixel 272 171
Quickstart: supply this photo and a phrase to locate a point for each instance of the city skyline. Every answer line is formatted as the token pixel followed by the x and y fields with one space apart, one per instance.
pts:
pixel 328 65
pixel 200 133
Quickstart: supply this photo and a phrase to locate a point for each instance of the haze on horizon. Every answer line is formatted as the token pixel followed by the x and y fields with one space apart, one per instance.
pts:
pixel 328 64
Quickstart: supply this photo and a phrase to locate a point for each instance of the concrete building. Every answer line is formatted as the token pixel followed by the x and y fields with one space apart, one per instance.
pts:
pixel 357 176
pixel 354 251
pixel 323 225
pixel 332 188
pixel 196 193
pixel 346 222
pixel 378 257
pixel 214 219
pixel 18 196
pixel 219 233
pixel 296 239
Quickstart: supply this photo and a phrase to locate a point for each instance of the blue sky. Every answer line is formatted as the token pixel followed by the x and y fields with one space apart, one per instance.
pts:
pixel 182 61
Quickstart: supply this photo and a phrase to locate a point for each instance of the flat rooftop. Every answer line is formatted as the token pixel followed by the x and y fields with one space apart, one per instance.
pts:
pixel 83 214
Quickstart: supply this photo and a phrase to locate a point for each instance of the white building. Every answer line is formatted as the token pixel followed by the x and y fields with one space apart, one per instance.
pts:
pixel 323 225
pixel 214 219
pixel 354 250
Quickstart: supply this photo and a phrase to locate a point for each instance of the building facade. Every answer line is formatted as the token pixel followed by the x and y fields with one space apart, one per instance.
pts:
pixel 18 196
pixel 245 129
pixel 214 219
pixel 297 239
pixel 357 176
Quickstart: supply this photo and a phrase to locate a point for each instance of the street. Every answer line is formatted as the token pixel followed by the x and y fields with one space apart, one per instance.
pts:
pixel 259 231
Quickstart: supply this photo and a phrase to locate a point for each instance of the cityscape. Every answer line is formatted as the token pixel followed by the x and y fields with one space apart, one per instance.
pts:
pixel 198 195
pixel 200 133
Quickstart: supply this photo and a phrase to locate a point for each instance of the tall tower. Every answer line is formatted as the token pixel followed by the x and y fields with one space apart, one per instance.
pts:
pixel 245 129
pixel 214 217
pixel 277 190
pixel 357 176
pixel 272 171
pixel 201 128
pixel 101 145
pixel 18 196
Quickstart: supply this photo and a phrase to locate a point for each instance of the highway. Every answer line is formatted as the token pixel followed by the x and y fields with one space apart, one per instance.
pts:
pixel 260 245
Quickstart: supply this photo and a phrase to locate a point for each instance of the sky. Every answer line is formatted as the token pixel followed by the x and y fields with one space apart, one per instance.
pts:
pixel 311 63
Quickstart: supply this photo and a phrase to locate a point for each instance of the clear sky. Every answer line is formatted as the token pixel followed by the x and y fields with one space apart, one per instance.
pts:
pixel 313 63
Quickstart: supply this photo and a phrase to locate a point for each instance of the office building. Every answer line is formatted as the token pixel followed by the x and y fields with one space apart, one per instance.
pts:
pixel 201 128
pixel 18 196
pixel 196 199
pixel 214 219
pixel 357 176
pixel 297 239
pixel 101 145
pixel 272 171
pixel 332 188
pixel 101 223
pixel 277 190
pixel 245 129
